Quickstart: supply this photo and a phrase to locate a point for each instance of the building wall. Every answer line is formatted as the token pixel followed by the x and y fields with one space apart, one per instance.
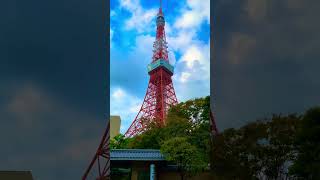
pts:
pixel 140 169
pixel 15 175
pixel 115 122
pixel 176 176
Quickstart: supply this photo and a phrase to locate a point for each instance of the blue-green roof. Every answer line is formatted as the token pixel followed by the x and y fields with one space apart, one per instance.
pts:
pixel 136 155
pixel 162 63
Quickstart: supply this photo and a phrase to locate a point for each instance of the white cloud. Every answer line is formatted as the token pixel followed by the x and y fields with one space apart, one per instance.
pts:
pixel 172 57
pixel 143 44
pixel 130 4
pixel 182 40
pixel 168 29
pixel 192 76
pixel 184 76
pixel 125 105
pixel 111 36
pixel 197 12
pixel 192 70
pixel 140 18
pixel 191 55
pixel 188 19
pixel 113 13
pixel 118 94
pixel 135 109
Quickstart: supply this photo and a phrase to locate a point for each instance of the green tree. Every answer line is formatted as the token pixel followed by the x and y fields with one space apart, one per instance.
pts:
pixel 307 163
pixel 280 149
pixel 185 137
pixel 231 157
pixel 151 139
pixel 256 150
pixel 186 122
pixel 185 155
pixel 188 119
pixel 120 142
pixel 191 119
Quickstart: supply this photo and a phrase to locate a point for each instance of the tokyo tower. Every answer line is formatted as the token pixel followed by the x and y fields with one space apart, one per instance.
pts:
pixel 160 92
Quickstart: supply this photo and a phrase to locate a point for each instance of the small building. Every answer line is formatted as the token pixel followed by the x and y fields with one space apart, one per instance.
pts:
pixel 145 164
pixel 15 175
pixel 115 122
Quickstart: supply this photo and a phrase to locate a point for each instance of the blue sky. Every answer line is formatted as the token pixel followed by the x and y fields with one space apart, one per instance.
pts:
pixel 132 31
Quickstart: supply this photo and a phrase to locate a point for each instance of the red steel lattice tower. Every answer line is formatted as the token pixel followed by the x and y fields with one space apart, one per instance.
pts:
pixel 99 168
pixel 160 93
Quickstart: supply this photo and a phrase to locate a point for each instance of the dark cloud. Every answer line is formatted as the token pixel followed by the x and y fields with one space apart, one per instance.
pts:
pixel 53 85
pixel 42 133
pixel 266 58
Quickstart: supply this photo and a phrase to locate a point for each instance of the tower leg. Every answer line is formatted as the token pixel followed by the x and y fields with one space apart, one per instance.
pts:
pixel 99 168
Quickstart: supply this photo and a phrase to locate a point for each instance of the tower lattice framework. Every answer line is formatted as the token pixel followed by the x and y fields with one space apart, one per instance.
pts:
pixel 160 93
pixel 99 167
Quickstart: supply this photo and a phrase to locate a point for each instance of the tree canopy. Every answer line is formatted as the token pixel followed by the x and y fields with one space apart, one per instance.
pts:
pixel 278 147
pixel 307 144
pixel 185 138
